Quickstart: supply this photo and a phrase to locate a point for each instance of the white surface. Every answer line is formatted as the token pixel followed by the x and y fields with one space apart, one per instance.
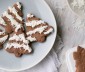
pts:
pixel 9 61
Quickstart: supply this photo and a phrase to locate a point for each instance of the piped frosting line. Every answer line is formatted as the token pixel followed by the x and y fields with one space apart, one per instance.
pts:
pixel 48 31
pixel 16 45
pixel 14 23
pixel 18 5
pixel 14 11
pixel 3 39
pixel 40 30
pixel 19 37
pixel 31 39
pixel 3 32
pixel 34 23
pixel 30 15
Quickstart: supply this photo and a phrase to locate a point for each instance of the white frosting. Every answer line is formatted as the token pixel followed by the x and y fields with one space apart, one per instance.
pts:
pixel 34 23
pixel 17 27
pixel 1 33
pixel 2 21
pixel 3 39
pixel 14 11
pixel 16 37
pixel 40 30
pixel 18 5
pixel 49 31
pixel 16 45
pixel 13 21
pixel 31 39
pixel 20 37
pixel 30 15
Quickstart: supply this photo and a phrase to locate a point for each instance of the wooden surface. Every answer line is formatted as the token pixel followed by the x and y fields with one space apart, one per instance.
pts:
pixel 71 28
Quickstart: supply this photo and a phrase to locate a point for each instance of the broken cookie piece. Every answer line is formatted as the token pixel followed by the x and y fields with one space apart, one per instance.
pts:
pixel 13 18
pixel 79 57
pixel 36 29
pixel 18 45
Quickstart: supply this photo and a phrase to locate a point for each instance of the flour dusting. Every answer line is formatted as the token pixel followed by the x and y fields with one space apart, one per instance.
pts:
pixel 78 3
pixel 78 24
pixel 78 6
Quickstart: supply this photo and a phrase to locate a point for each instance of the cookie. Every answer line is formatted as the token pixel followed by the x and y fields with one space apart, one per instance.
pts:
pixel 3 34
pixel 36 29
pixel 2 24
pixel 79 57
pixel 18 45
pixel 3 38
pixel 13 18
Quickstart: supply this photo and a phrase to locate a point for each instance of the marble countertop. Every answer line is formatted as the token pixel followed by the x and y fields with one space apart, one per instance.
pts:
pixel 71 28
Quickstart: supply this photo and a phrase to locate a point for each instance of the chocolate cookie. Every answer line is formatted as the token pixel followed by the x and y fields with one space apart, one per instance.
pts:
pixel 3 34
pixel 18 45
pixel 79 57
pixel 13 18
pixel 36 29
